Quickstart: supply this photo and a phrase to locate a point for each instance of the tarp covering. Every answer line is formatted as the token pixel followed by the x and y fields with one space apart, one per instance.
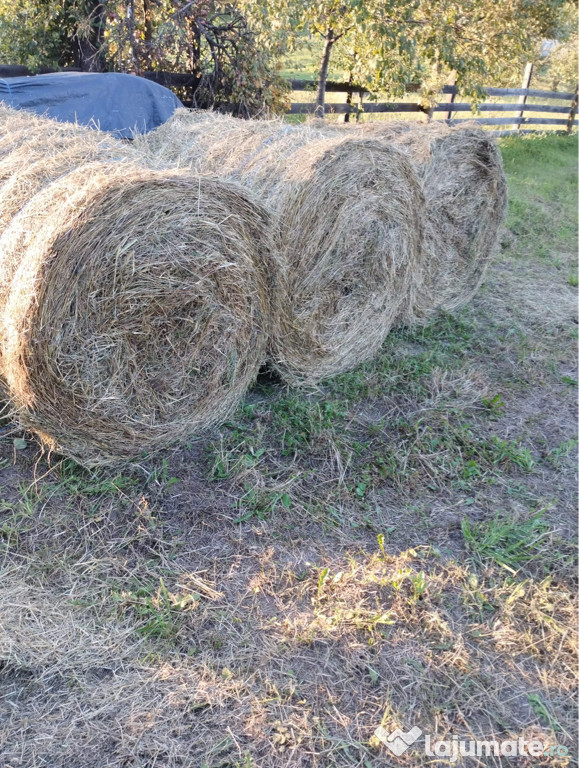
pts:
pixel 121 104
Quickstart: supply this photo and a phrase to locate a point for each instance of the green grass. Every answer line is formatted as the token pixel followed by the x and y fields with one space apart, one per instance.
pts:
pixel 508 542
pixel 408 357
pixel 74 479
pixel 303 63
pixel 159 613
pixel 542 210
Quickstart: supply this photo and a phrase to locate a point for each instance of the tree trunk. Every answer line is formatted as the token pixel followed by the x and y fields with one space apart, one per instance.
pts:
pixel 148 34
pixel 194 48
pixel 323 74
pixel 133 56
pixel 194 55
pixel 88 54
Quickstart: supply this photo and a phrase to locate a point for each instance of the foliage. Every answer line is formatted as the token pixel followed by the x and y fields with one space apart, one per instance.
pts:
pixel 37 34
pixel 561 64
pixel 211 39
pixel 386 44
pixel 233 47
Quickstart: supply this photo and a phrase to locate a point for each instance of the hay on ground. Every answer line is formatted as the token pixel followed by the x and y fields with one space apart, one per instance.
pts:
pixel 465 189
pixel 349 227
pixel 132 315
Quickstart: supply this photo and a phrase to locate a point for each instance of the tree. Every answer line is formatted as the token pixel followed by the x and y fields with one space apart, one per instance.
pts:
pixel 88 37
pixel 386 44
pixel 561 64
pixel 209 39
pixel 37 34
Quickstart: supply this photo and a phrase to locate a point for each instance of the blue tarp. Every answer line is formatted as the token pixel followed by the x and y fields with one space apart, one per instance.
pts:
pixel 121 104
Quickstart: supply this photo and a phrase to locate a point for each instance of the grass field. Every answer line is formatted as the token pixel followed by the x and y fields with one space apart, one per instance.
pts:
pixel 395 548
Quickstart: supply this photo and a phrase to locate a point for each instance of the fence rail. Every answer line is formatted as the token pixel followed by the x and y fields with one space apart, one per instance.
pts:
pixel 564 114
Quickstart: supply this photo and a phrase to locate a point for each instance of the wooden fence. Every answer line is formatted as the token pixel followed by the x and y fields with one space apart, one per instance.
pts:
pixel 564 113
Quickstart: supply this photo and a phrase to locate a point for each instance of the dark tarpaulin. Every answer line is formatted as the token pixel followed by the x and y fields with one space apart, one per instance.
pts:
pixel 121 104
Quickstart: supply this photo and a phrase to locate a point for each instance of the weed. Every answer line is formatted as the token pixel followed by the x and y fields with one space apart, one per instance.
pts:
pixel 569 381
pixel 509 452
pixel 16 524
pixel 495 405
pixel 540 709
pixel 380 540
pixel 160 476
pixel 260 503
pixel 556 455
pixel 74 479
pixel 417 582
pixel 324 573
pixel 508 542
pixel 158 611
pixel 233 455
pixel 299 420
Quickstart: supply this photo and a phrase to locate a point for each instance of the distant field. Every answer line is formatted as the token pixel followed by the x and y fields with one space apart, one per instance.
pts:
pixel 303 63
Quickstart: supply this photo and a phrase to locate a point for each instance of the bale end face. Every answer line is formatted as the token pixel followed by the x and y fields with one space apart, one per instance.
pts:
pixel 466 197
pixel 136 317
pixel 351 239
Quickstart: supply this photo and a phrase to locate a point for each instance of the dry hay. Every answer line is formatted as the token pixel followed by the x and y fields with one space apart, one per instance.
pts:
pixel 132 315
pixel 19 127
pixel 35 151
pixel 349 227
pixel 465 190
pixel 41 635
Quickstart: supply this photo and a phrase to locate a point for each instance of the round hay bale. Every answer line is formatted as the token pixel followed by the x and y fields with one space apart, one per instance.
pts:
pixel 466 198
pixel 348 232
pixel 132 315
pixel 465 190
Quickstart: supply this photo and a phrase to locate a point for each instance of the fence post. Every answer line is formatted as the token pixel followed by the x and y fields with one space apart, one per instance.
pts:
pixel 523 99
pixel 349 99
pixel 572 112
pixel 450 97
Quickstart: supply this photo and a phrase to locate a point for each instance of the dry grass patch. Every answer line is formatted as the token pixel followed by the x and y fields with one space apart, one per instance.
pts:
pixel 271 662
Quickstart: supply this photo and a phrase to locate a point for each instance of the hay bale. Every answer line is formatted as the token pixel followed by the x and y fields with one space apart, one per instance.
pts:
pixel 349 226
pixel 465 190
pixel 132 315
